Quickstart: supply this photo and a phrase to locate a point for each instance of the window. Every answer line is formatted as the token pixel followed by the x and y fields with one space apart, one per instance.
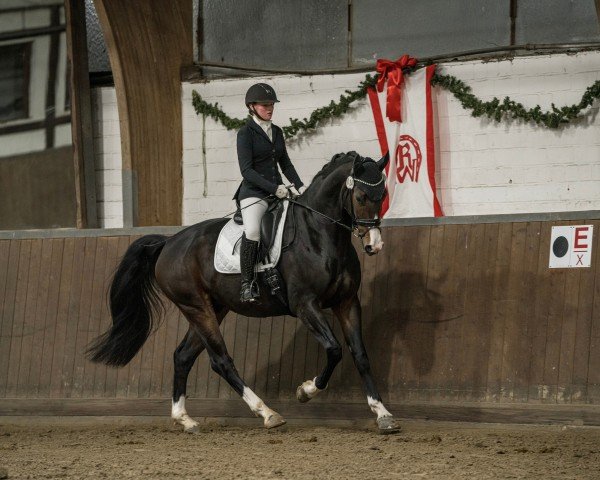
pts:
pixel 14 81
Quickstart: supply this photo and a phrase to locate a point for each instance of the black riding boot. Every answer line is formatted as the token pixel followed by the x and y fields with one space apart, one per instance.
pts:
pixel 248 254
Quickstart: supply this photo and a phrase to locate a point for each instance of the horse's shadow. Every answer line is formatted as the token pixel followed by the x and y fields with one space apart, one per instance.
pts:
pixel 399 330
pixel 399 323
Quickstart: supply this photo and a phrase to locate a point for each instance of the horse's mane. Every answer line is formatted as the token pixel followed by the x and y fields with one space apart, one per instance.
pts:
pixel 337 160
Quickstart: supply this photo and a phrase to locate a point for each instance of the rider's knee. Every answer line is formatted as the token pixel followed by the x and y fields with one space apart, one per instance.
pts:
pixel 252 232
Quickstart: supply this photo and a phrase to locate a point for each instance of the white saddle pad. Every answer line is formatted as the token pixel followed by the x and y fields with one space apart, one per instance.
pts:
pixel 227 251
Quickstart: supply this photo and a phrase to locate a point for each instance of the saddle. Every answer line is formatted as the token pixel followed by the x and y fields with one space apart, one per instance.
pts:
pixel 268 227
pixel 269 249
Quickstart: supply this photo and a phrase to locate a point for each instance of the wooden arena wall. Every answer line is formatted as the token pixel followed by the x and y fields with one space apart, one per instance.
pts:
pixel 462 319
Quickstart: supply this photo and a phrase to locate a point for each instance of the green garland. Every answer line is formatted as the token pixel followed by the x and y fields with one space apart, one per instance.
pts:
pixel 494 109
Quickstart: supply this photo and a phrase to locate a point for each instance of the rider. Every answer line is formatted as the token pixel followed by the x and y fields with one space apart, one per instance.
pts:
pixel 260 147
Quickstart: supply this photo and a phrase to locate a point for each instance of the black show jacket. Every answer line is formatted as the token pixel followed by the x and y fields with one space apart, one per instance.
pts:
pixel 258 158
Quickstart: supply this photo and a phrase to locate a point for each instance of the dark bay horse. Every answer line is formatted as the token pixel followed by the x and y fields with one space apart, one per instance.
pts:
pixel 320 269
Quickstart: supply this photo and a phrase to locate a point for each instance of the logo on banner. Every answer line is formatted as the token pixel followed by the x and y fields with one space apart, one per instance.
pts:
pixel 571 247
pixel 408 158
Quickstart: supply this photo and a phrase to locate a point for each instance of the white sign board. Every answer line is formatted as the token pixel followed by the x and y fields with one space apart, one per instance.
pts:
pixel 571 247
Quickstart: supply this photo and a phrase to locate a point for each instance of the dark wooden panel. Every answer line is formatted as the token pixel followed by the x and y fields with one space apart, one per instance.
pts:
pixel 433 315
pixel 18 318
pixel 62 317
pixel 73 319
pixel 587 307
pixel 512 371
pixel 96 299
pixel 43 324
pixel 452 313
pixel 30 324
pixel 9 275
pixel 100 381
pixel 50 337
pixel 475 322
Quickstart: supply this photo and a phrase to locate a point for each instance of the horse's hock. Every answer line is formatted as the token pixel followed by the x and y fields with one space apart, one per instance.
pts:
pixel 462 321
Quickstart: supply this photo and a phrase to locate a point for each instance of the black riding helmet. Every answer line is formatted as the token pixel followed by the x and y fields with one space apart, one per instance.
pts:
pixel 260 93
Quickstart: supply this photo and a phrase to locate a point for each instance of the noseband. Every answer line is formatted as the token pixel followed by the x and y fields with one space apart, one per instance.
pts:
pixel 368 223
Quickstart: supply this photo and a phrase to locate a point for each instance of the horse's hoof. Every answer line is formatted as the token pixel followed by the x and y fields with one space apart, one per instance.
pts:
pixel 301 395
pixel 274 421
pixel 388 425
pixel 194 429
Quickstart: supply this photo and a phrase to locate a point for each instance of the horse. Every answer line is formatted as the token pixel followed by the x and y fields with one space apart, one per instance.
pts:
pixel 319 266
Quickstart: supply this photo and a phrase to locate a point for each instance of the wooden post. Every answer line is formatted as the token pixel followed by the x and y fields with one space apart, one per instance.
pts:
pixel 81 115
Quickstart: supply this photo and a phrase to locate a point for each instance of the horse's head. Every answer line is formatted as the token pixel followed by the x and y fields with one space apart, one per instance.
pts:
pixel 366 183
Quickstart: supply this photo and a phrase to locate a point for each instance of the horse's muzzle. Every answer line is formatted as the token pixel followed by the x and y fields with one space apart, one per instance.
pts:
pixel 369 250
pixel 375 244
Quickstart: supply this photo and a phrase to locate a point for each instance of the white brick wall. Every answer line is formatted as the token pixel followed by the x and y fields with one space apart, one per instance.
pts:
pixel 107 153
pixel 483 167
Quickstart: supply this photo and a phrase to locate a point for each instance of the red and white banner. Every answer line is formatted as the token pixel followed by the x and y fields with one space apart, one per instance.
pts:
pixel 406 131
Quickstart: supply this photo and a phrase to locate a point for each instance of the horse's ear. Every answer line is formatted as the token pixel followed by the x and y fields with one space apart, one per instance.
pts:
pixel 384 161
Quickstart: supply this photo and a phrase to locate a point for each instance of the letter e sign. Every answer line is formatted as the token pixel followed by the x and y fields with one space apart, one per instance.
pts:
pixel 571 247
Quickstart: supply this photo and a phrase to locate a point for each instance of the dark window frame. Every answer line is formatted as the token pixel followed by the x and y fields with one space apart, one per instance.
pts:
pixel 27 48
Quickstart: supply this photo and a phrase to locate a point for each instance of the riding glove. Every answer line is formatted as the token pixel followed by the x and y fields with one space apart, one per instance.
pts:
pixel 302 189
pixel 281 192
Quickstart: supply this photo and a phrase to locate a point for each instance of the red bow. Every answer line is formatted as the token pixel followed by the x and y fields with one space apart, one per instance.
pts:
pixel 392 73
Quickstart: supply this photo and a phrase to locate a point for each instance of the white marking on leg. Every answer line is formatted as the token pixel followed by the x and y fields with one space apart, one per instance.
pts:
pixel 180 415
pixel 378 408
pixel 256 404
pixel 310 388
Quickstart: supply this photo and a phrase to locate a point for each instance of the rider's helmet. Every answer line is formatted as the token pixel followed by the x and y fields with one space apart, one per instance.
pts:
pixel 260 93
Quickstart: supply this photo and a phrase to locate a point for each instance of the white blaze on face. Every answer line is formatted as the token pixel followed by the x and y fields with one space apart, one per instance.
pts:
pixel 378 408
pixel 375 241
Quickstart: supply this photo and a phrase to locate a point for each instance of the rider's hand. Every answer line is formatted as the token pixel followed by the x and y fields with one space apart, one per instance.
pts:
pixel 302 189
pixel 281 192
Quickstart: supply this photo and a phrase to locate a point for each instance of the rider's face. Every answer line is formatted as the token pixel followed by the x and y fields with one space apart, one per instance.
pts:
pixel 264 110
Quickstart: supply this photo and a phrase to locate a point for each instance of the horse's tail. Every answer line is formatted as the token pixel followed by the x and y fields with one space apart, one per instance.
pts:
pixel 134 304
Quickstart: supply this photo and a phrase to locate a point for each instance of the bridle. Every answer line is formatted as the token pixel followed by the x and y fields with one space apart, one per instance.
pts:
pixel 353 228
pixel 369 223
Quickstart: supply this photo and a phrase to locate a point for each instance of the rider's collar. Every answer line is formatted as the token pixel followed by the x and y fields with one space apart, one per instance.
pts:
pixel 264 124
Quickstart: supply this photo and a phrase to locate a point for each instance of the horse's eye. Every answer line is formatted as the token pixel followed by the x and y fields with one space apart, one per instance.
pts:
pixel 361 198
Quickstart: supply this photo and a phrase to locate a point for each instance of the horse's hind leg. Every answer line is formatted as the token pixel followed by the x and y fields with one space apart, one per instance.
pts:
pixel 204 321
pixel 183 359
pixel 349 316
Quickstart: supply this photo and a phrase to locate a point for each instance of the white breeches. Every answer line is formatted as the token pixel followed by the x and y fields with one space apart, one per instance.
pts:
pixel 252 216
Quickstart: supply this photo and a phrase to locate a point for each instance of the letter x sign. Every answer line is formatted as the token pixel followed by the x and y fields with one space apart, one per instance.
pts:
pixel 571 247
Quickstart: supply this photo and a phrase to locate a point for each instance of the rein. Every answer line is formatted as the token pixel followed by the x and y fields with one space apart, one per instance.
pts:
pixel 356 222
pixel 333 220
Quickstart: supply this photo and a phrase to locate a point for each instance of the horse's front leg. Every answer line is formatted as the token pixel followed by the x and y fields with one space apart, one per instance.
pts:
pixel 349 316
pixel 314 318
